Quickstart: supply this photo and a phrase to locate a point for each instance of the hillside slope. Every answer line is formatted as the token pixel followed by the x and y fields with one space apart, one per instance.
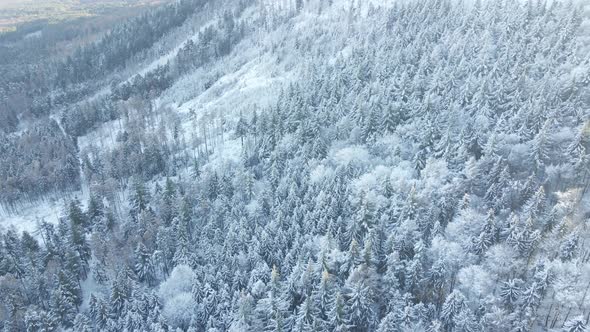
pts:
pixel 306 166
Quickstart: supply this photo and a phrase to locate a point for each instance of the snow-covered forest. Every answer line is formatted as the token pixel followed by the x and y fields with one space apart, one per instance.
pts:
pixel 300 165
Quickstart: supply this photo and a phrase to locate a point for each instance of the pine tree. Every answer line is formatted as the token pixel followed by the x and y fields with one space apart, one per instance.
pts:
pixel 353 258
pixel 95 209
pixel 65 300
pixel 271 309
pixel 510 292
pixel 454 304
pixel 79 252
pixel 168 209
pixel 38 320
pixel 360 305
pixel 569 247
pixel 139 195
pixel 390 323
pixel 76 215
pixel 144 264
pixel 539 147
pixel 391 118
pixel 466 321
pixel 245 314
pixel 488 236
pixel 82 324
pixel 241 129
pixel 578 154
pixel 322 296
pixel 182 253
pixel 119 295
pixel 339 321
pixel 577 324
pixel 305 316
pixel 535 207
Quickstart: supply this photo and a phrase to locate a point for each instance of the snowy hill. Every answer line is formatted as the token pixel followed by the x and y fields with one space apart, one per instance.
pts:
pixel 306 165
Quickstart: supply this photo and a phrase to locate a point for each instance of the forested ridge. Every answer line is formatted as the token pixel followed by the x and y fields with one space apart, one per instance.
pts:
pixel 422 166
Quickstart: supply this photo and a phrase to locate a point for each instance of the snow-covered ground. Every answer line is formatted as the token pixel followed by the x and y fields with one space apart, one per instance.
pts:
pixel 30 215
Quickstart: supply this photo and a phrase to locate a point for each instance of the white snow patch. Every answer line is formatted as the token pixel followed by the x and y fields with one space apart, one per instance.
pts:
pixel 30 216
pixel 350 154
pixel 319 173
pixel 36 34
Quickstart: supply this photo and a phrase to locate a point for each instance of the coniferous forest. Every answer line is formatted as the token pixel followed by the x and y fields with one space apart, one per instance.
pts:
pixel 299 165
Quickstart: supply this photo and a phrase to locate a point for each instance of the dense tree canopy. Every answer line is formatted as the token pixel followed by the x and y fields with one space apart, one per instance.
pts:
pixel 431 175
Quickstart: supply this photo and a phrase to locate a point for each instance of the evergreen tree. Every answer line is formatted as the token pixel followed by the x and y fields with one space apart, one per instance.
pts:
pixel 453 306
pixel 144 265
pixel 338 318
pixel 139 196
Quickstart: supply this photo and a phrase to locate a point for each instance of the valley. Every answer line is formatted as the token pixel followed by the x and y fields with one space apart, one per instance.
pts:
pixel 15 13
